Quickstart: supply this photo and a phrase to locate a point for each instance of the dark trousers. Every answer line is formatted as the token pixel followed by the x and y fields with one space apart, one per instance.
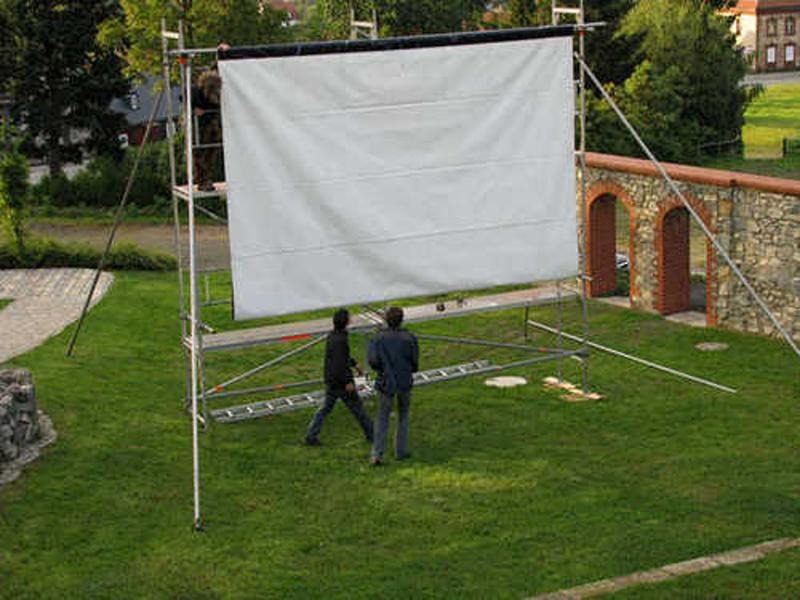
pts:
pixel 351 401
pixel 382 424
pixel 205 159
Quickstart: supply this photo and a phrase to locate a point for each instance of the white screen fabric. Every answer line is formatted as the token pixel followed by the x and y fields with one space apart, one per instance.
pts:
pixel 369 176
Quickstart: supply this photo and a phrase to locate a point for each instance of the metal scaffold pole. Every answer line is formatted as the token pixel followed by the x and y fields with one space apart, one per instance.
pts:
pixel 577 12
pixel 173 180
pixel 186 67
pixel 583 216
pixel 118 215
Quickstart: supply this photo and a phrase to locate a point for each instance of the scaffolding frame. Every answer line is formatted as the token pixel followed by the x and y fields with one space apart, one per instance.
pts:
pixel 196 345
pixel 192 328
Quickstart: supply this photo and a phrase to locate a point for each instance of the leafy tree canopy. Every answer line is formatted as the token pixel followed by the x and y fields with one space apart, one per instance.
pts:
pixel 684 91
pixel 60 80
pixel 401 17
pixel 135 33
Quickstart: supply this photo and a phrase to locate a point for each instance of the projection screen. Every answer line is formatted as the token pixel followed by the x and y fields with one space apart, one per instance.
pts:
pixel 356 177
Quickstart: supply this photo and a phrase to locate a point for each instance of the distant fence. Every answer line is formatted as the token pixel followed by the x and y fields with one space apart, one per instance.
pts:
pixel 791 146
pixel 729 147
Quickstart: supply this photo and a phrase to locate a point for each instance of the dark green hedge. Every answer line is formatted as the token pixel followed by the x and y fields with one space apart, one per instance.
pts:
pixel 46 252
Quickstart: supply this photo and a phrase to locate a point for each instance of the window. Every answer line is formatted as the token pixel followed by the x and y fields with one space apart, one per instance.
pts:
pixel 133 100
pixel 789 28
pixel 771 55
pixel 772 27
pixel 788 55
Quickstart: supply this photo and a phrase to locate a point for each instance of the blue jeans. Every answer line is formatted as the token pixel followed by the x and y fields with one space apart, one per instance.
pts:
pixel 351 401
pixel 382 424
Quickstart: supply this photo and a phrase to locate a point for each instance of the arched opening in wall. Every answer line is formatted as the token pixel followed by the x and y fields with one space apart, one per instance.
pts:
pixel 686 279
pixel 610 247
pixel 698 268
pixel 674 263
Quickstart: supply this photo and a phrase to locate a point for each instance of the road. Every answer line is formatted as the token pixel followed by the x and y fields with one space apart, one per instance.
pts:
pixel 212 240
pixel 768 79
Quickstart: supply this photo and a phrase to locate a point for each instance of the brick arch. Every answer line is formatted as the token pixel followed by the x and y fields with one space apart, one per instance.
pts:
pixel 664 209
pixel 600 190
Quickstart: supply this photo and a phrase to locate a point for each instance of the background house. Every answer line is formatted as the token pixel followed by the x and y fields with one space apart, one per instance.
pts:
pixel 768 32
pixel 136 108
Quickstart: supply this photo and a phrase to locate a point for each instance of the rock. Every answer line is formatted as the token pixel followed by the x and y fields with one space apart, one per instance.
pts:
pixel 18 376
pixel 711 346
pixel 9 450
pixel 19 427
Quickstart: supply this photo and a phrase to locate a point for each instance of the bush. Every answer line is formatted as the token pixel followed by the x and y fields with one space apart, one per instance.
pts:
pixel 46 252
pixel 14 189
pixel 103 182
pixel 623 283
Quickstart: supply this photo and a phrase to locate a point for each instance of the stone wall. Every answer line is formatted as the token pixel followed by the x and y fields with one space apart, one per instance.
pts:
pixel 24 430
pixel 18 419
pixel 756 219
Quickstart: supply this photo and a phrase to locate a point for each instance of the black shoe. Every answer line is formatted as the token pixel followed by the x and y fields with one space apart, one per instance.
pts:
pixel 312 441
pixel 405 456
pixel 375 461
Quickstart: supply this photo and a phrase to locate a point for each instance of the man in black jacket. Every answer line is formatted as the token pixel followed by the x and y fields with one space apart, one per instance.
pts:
pixel 394 354
pixel 339 381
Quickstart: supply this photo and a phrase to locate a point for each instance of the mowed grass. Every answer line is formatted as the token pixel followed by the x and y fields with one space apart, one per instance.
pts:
pixel 770 118
pixel 509 492
pixel 774 115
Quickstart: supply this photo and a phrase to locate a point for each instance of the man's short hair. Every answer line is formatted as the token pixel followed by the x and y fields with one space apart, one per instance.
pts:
pixel 394 317
pixel 340 319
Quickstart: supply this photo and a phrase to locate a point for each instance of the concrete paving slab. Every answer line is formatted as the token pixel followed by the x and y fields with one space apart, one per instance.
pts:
pixel 45 301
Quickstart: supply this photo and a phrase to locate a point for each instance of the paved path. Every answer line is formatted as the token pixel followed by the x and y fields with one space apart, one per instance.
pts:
pixel 687 567
pixel 45 301
pixel 768 79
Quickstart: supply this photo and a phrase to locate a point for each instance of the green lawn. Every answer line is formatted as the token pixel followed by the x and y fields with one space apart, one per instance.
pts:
pixel 774 115
pixel 509 492
pixel 4 303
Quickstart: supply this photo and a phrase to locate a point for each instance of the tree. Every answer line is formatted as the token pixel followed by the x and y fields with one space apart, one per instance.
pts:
pixel 401 17
pixel 684 91
pixel 691 36
pixel 135 33
pixel 14 188
pixel 60 80
pixel 612 58
pixel 527 13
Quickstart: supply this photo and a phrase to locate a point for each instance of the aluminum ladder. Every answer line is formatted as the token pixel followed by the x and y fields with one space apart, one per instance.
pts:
pixel 255 410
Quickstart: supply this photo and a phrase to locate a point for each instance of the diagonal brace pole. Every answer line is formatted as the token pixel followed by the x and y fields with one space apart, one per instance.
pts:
pixel 117 221
pixel 270 363
pixel 717 245
pixel 632 358
pixel 488 343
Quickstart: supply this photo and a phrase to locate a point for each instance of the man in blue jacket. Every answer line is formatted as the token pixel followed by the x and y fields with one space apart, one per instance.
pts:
pixel 339 381
pixel 394 354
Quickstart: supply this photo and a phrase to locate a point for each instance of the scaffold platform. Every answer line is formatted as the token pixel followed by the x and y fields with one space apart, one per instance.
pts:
pixel 301 330
pixel 220 191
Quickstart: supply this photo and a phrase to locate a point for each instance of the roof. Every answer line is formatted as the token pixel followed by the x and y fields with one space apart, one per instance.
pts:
pixel 284 5
pixel 137 106
pixel 753 7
